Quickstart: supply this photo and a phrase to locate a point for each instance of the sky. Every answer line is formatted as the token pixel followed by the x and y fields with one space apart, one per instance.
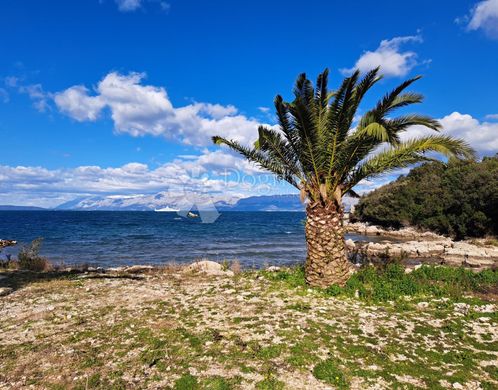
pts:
pixel 121 97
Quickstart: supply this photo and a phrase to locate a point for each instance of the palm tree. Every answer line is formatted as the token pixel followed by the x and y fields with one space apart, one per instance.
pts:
pixel 319 151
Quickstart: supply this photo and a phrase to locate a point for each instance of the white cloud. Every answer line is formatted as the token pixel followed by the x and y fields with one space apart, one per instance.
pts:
pixel 492 116
pixel 392 61
pixel 484 16
pixel 133 5
pixel 139 110
pixel 215 172
pixel 128 5
pixel 39 97
pixel 482 136
pixel 11 81
pixel 75 102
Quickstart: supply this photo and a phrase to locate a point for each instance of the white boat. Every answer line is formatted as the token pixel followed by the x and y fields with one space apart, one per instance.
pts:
pixel 166 210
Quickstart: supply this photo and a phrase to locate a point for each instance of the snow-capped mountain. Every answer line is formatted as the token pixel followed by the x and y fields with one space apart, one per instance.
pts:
pixel 186 201
pixel 161 200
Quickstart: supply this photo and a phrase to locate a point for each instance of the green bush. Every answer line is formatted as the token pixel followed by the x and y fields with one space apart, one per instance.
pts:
pixel 459 199
pixel 29 257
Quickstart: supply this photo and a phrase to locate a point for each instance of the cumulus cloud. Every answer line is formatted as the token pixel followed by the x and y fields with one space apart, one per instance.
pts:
pixel 392 60
pixel 482 136
pixel 76 103
pixel 139 110
pixel 492 116
pixel 484 16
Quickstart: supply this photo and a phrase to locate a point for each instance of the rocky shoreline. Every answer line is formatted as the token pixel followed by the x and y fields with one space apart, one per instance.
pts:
pixel 426 247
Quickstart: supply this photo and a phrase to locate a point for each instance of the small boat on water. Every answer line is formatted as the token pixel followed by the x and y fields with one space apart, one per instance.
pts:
pixel 190 214
pixel 166 209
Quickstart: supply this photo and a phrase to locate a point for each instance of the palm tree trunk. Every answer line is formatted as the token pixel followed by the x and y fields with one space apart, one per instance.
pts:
pixel 327 263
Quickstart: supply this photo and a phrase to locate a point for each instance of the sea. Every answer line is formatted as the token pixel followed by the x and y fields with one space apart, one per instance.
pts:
pixel 118 238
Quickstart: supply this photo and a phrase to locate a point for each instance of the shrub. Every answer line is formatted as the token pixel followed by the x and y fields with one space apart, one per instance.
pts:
pixel 459 199
pixel 29 257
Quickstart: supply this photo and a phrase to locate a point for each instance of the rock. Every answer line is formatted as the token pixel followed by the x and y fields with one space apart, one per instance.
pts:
pixel 485 308
pixel 5 291
pixel 116 269
pixel 204 265
pixel 273 268
pixel 457 385
pixel 350 244
pixel 209 268
pixel 422 305
pixel 461 308
pixel 136 269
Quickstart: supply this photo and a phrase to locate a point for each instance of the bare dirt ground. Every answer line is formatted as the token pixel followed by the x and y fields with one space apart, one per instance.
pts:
pixel 171 330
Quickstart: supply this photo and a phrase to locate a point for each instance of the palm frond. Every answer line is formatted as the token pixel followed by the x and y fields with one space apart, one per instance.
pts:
pixel 409 153
pixel 393 99
pixel 303 119
pixel 260 159
pixel 277 148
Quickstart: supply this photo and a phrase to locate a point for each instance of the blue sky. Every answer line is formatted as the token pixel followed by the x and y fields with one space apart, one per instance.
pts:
pixel 120 97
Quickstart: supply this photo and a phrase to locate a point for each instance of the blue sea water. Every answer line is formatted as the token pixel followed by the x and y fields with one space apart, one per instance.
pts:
pixel 115 238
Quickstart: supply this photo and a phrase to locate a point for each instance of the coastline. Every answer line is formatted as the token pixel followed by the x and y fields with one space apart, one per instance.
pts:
pixel 424 247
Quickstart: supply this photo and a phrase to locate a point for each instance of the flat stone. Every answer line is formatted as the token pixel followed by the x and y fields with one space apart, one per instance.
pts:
pixel 135 269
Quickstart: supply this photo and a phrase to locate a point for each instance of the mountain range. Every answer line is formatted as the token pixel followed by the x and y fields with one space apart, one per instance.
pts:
pixel 161 200
pixel 184 202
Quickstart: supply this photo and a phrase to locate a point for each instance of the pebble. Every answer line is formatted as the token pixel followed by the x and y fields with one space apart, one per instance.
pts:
pixel 423 305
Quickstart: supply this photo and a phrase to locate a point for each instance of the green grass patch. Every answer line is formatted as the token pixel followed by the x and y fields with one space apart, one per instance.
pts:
pixel 329 372
pixel 390 282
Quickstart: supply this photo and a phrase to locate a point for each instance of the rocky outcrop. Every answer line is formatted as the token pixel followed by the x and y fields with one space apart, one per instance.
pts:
pixel 426 247
pixel 406 233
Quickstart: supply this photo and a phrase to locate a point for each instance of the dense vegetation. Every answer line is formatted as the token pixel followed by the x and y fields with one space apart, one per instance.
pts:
pixel 459 199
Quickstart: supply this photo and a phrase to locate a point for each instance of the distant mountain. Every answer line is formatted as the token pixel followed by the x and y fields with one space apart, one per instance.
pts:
pixel 19 208
pixel 265 203
pixel 153 202
pixel 163 200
